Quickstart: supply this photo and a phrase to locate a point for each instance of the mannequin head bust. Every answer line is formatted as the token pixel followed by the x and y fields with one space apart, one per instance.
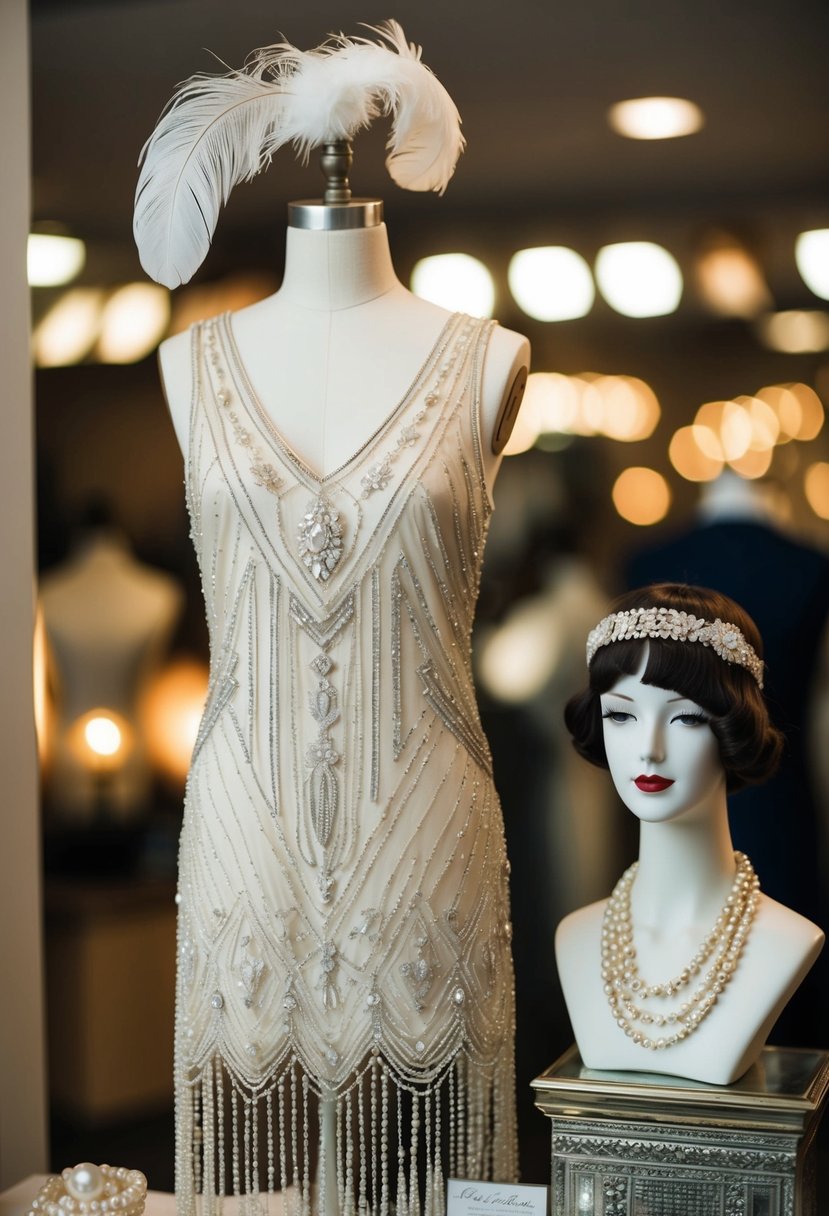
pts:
pixel 749 746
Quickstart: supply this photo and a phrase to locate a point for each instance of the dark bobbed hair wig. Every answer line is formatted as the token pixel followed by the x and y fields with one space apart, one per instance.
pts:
pixel 750 745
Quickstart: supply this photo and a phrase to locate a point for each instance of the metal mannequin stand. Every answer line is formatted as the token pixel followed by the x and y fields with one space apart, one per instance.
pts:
pixel 644 1144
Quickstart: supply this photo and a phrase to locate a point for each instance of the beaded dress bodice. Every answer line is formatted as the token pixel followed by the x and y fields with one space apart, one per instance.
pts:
pixel 343 918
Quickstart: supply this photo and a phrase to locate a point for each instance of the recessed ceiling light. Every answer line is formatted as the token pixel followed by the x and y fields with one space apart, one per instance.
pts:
pixel 655 117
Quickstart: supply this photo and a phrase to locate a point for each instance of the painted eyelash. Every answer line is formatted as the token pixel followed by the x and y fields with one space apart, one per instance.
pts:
pixel 697 717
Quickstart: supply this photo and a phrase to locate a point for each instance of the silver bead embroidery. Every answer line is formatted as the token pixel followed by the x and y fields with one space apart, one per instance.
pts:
pixel 390 646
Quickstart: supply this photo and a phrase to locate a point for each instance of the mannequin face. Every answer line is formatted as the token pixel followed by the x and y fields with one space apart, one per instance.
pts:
pixel 651 732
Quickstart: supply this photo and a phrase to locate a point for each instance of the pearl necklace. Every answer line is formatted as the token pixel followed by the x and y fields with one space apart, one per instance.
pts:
pixel 720 951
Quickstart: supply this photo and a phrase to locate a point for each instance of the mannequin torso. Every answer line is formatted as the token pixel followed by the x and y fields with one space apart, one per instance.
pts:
pixel 782 947
pixel 666 765
pixel 335 349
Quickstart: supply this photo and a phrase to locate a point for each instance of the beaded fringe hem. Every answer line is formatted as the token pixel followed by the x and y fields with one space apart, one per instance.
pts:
pixel 391 1142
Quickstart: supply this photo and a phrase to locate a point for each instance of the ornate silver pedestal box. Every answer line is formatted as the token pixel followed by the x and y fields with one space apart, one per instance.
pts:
pixel 643 1144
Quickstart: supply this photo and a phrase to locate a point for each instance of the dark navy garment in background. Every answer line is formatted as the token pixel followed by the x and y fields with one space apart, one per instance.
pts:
pixel 784 586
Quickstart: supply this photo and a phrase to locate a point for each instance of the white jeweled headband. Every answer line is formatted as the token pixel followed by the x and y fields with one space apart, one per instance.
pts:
pixel 725 640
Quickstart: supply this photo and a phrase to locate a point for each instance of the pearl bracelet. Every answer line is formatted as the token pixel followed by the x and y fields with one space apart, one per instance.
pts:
pixel 92 1190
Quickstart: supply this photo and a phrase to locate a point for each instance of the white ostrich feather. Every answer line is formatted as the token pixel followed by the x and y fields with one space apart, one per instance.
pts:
pixel 220 130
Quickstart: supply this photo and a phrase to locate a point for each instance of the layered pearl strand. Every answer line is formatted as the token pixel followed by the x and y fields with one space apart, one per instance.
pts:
pixel 92 1190
pixel 714 963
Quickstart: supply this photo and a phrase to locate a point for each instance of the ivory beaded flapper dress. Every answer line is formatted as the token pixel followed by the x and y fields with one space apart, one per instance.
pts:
pixel 343 884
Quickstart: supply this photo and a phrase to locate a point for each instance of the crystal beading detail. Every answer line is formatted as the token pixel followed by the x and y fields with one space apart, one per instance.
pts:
pixel 379 474
pixel 725 640
pixel 320 537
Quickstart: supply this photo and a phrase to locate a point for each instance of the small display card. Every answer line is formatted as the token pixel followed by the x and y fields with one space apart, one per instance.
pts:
pixel 465 1197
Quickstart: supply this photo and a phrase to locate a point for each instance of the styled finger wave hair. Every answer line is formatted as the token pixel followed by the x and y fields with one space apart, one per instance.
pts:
pixel 750 745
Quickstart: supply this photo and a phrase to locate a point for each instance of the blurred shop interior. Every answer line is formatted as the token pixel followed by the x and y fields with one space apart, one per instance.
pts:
pixel 670 266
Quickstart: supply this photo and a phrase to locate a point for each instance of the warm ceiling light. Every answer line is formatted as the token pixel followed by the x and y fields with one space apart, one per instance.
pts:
pixel 811 252
pixel 53 260
pixel 689 459
pixel 796 331
pixel 68 331
pixel 816 485
pixel 655 117
pixel 641 496
pixel 133 322
pixel 731 282
pixel 639 279
pixel 552 283
pixel 455 281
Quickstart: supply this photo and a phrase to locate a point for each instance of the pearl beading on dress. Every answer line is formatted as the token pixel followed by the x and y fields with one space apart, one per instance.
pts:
pixel 344 926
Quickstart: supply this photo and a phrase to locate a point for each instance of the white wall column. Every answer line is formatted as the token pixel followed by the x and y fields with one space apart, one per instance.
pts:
pixel 22 1052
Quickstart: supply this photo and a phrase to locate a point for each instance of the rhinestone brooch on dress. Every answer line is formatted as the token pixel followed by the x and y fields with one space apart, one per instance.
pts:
pixel 320 538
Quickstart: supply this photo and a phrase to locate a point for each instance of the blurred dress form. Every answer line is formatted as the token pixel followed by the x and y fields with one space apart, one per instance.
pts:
pixel 108 620
pixel 737 548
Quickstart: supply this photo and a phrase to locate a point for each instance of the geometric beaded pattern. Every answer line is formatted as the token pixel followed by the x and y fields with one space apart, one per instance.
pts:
pixel 344 928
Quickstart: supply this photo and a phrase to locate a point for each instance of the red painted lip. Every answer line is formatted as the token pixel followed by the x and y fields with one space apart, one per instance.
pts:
pixel 652 784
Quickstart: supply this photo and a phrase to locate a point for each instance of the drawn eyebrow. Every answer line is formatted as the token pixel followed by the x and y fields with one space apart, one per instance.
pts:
pixel 621 696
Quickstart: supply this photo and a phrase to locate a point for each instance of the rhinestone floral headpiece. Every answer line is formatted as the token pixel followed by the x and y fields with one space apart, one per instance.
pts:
pixel 725 640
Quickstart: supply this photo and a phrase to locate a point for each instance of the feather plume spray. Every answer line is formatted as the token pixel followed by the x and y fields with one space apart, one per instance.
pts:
pixel 220 130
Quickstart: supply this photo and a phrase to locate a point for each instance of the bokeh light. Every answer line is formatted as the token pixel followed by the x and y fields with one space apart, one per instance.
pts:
pixel 455 281
pixel 655 117
pixel 552 283
pixel 70 328
pixel 102 735
pixel 816 487
pixel 53 260
pixel 796 331
pixel 623 408
pixel 133 322
pixel 811 253
pixel 752 463
pixel 812 412
pixel 171 711
pixel 730 281
pixel 641 496
pixel 639 279
pixel 689 458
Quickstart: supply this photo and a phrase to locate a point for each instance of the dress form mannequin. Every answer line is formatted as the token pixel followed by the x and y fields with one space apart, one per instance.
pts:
pixel 333 351
pixel 108 619
pixel 328 359
pixel 686 869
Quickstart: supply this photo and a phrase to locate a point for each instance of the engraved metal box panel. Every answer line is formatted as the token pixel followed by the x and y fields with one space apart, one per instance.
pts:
pixel 644 1144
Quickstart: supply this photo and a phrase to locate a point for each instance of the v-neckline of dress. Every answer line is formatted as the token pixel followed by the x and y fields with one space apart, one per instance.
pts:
pixel 252 404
